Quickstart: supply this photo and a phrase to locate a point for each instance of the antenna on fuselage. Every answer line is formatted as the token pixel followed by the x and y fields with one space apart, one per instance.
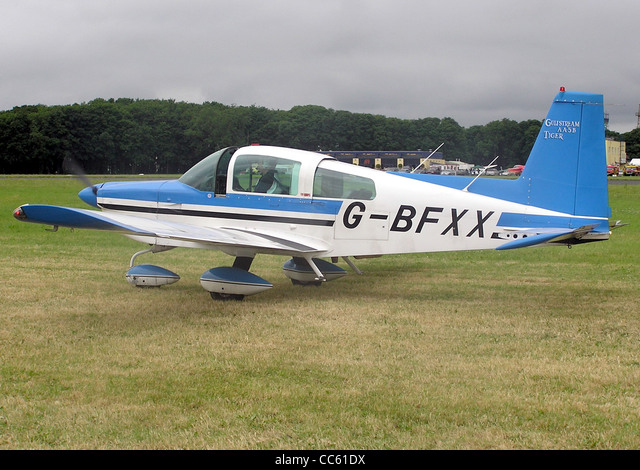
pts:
pixel 490 165
pixel 430 155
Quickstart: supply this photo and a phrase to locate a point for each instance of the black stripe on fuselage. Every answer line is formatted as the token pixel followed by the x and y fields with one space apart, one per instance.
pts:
pixel 218 215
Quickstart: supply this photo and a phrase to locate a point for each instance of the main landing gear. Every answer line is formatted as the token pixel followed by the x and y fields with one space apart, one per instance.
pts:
pixel 311 272
pixel 236 282
pixel 233 283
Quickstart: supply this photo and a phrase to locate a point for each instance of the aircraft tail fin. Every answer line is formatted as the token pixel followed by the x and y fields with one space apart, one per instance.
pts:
pixel 566 169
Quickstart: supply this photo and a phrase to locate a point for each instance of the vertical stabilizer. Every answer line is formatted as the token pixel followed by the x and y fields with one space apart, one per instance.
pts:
pixel 566 170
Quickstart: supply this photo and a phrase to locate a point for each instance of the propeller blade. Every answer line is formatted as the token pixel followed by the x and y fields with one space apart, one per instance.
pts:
pixel 71 165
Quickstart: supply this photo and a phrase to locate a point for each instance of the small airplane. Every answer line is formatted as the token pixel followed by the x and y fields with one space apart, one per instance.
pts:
pixel 271 200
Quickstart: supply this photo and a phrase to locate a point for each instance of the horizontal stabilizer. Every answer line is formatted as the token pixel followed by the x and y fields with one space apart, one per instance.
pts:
pixel 531 240
pixel 570 236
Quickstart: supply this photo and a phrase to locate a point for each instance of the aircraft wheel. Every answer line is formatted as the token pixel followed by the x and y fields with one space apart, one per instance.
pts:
pixel 218 296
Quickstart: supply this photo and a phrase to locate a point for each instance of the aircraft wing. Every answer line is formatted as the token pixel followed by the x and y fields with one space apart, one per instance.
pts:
pixel 260 242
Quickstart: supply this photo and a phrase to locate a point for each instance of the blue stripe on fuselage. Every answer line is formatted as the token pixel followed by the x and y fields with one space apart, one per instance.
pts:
pixel 281 203
pixel 174 191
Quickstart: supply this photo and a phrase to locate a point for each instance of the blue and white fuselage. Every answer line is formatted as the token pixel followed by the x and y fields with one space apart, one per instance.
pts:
pixel 273 200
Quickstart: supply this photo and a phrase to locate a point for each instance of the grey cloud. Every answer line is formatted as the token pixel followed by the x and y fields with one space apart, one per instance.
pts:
pixel 472 61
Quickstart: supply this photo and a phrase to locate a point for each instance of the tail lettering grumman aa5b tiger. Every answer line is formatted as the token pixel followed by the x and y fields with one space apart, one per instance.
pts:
pixel 270 200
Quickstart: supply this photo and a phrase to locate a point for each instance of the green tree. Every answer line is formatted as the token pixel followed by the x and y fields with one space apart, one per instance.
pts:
pixel 149 136
pixel 453 135
pixel 632 140
pixel 506 139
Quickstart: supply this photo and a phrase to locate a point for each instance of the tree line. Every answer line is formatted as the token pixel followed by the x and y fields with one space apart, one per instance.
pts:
pixel 128 136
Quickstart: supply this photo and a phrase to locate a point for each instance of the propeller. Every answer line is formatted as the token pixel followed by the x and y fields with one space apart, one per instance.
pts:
pixel 90 193
pixel 70 165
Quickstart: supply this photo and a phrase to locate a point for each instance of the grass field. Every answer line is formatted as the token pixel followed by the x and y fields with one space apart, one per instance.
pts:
pixel 533 348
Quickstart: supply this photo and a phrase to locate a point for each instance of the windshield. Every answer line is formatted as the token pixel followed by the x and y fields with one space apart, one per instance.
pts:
pixel 210 174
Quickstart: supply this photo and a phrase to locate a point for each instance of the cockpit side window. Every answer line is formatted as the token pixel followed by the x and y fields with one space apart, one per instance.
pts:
pixel 265 174
pixel 338 185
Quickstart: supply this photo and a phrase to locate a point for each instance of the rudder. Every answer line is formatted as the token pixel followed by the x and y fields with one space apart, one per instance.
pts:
pixel 566 169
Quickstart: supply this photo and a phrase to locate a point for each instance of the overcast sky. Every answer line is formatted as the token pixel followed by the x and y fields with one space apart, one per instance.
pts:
pixel 472 60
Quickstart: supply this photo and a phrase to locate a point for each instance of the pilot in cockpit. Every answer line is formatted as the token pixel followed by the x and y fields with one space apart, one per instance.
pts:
pixel 266 167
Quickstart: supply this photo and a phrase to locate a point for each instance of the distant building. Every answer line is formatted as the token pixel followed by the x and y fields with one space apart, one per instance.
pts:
pixel 381 159
pixel 616 152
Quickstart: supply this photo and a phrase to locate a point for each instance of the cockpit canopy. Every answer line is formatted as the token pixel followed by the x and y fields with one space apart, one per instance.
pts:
pixel 260 171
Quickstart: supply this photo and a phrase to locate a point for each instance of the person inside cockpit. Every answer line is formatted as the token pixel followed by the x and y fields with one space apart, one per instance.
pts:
pixel 267 169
